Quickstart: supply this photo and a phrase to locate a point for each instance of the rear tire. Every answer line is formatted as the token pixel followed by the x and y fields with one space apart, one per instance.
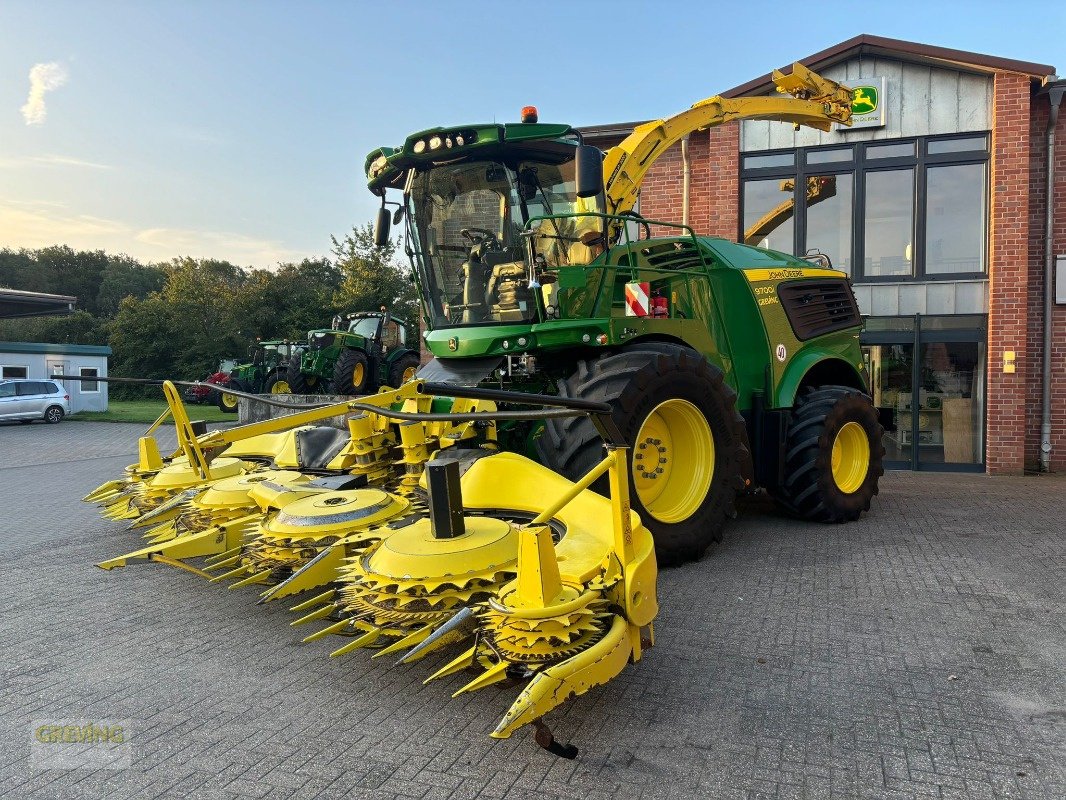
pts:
pixel 351 375
pixel 403 370
pixel 833 455
pixel 670 396
pixel 53 415
pixel 299 382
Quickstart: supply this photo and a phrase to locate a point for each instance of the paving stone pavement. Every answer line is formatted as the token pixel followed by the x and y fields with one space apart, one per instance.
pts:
pixel 918 653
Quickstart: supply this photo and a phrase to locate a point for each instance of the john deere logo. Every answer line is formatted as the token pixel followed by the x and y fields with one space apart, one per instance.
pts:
pixel 453 343
pixel 864 100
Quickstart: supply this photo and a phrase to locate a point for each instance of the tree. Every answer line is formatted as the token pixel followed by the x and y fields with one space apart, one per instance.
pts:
pixel 123 277
pixel 371 276
pixel 288 302
pixel 186 328
pixel 81 327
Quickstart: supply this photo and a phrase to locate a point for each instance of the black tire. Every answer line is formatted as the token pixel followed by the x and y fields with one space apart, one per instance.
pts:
pixel 635 382
pixel 54 414
pixel 409 361
pixel 227 403
pixel 274 378
pixel 300 382
pixel 351 374
pixel 809 490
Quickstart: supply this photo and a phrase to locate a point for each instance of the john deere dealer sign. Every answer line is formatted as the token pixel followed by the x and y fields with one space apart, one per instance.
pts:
pixel 867 103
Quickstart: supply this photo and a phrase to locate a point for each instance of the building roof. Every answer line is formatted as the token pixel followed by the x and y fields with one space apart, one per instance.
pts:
pixel 55 349
pixel 16 303
pixel 863 44
pixel 868 44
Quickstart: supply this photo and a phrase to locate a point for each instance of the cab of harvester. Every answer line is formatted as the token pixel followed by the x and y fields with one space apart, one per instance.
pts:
pixel 490 211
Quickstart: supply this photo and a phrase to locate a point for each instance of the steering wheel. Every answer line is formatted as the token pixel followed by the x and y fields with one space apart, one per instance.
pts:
pixel 478 235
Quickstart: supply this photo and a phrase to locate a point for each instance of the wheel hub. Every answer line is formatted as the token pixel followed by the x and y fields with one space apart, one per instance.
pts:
pixel 673 460
pixel 850 458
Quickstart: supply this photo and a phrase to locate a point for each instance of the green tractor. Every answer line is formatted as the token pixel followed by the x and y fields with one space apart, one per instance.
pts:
pixel 359 354
pixel 265 374
pixel 729 367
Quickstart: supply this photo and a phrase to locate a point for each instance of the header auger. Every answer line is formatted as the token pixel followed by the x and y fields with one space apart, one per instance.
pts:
pixel 412 534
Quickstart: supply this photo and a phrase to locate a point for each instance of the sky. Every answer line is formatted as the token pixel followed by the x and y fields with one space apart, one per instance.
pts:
pixel 238 130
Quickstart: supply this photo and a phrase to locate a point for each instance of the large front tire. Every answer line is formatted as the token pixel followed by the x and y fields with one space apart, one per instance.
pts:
pixel 351 375
pixel 689 456
pixel 833 455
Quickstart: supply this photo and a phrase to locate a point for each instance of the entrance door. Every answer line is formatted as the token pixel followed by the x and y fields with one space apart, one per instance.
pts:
pixel 57 366
pixel 933 404
pixel 951 377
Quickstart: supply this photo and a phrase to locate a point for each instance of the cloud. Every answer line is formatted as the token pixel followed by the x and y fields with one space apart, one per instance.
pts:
pixel 235 247
pixel 68 161
pixel 26 223
pixel 50 160
pixel 44 78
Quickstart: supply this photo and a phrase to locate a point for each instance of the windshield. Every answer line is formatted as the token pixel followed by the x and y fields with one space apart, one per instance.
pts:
pixel 469 218
pixel 364 326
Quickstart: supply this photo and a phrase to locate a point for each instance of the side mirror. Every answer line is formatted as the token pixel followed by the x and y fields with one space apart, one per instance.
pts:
pixel 381 227
pixel 589 171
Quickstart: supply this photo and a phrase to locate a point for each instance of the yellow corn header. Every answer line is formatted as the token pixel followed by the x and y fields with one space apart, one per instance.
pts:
pixel 411 535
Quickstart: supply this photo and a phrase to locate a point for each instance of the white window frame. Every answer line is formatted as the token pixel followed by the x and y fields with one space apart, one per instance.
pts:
pixel 24 367
pixel 81 372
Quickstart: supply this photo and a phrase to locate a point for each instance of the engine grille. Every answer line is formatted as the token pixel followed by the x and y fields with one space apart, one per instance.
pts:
pixel 321 341
pixel 817 307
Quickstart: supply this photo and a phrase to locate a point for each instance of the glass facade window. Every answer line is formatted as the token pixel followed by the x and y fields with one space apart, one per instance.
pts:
pixel 769 208
pixel 892 211
pixel 829 213
pixel 967 144
pixel 888 232
pixel 896 150
pixel 830 156
pixel 955 219
pixel 774 160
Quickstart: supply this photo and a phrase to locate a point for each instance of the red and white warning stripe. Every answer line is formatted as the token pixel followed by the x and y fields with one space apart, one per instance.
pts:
pixel 637 302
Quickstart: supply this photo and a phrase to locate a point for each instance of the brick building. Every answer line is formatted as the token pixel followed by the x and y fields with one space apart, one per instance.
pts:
pixel 935 204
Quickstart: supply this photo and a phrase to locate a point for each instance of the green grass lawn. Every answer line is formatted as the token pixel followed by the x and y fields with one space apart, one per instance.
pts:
pixel 146 411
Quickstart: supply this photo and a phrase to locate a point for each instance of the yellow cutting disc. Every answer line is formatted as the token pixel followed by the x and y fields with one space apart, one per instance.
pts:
pixel 234 491
pixel 335 513
pixel 413 553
